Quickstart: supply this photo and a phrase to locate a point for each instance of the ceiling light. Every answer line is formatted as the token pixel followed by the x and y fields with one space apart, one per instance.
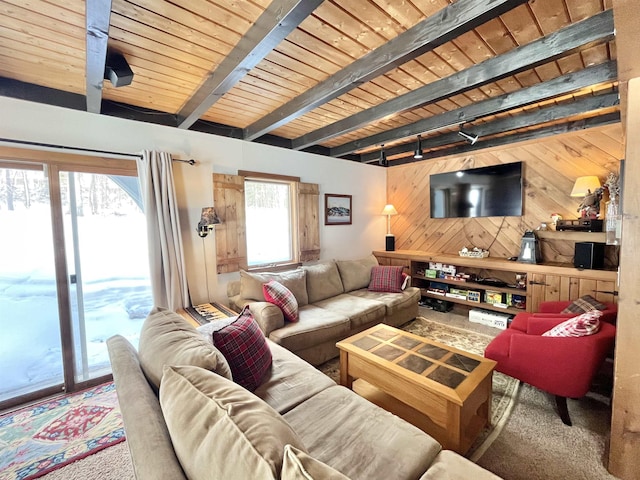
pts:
pixel 418 154
pixel 383 157
pixel 469 137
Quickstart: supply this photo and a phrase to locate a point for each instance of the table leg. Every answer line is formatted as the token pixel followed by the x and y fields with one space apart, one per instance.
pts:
pixel 345 379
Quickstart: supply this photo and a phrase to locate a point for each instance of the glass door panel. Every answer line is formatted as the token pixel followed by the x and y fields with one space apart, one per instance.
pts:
pixel 30 342
pixel 107 261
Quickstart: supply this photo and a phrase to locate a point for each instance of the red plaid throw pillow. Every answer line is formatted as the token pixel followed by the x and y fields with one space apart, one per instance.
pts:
pixel 386 279
pixel 276 293
pixel 586 324
pixel 584 304
pixel 243 345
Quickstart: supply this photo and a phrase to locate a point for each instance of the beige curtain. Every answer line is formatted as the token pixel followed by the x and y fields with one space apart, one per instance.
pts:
pixel 166 257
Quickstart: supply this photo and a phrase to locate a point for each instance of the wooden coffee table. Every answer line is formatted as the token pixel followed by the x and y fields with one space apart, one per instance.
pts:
pixel 442 390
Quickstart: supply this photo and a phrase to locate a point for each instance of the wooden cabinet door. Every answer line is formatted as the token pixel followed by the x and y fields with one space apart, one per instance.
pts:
pixel 542 288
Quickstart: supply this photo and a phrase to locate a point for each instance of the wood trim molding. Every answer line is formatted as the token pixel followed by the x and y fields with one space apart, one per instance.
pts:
pixel 267 176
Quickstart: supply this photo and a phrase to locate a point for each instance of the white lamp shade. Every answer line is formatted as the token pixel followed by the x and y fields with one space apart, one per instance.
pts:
pixel 389 210
pixel 585 185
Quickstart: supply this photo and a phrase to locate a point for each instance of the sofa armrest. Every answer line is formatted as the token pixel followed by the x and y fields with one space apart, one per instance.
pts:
pixel 268 316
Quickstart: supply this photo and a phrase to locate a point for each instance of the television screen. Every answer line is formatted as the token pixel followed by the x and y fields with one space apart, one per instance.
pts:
pixel 494 191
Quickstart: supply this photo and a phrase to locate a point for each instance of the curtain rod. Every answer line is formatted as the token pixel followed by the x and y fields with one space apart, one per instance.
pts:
pixel 85 150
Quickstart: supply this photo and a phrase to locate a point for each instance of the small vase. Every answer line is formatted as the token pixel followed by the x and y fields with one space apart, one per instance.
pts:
pixel 612 222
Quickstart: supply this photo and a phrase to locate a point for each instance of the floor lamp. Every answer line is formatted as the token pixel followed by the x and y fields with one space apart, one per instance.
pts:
pixel 390 241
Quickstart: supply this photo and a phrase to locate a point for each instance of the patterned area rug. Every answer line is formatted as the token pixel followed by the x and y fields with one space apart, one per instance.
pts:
pixel 505 388
pixel 44 437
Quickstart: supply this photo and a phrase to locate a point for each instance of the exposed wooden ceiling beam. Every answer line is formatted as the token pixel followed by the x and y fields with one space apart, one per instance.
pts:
pixel 275 23
pixel 577 36
pixel 98 14
pixel 449 23
pixel 593 122
pixel 561 85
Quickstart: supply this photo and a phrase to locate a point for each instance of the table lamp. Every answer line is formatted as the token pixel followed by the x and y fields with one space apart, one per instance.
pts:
pixel 587 188
pixel 390 241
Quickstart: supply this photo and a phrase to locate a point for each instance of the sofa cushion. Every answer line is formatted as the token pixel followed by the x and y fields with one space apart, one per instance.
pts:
pixel 360 311
pixel 356 274
pixel 584 304
pixel 381 445
pixel 281 296
pixel 244 346
pixel 168 339
pixel 201 409
pixel 448 465
pixel 290 381
pixel 297 465
pixel 323 281
pixel 294 280
pixel 394 302
pixel 315 326
pixel 386 279
pixel 586 324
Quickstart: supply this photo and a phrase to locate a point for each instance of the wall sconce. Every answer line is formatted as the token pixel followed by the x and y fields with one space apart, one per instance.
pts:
pixel 383 157
pixel 469 137
pixel 418 154
pixel 208 219
pixel 587 187
pixel 390 240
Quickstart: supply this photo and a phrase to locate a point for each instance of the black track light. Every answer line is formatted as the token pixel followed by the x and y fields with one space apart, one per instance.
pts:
pixel 469 137
pixel 383 157
pixel 418 154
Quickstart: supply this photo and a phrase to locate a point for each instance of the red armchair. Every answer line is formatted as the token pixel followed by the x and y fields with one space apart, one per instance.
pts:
pixel 562 366
pixel 552 310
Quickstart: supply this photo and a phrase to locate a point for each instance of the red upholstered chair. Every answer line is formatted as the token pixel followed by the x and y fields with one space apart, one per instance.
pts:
pixel 552 310
pixel 561 366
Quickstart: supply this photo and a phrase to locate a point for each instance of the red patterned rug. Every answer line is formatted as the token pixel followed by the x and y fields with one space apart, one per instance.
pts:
pixel 44 437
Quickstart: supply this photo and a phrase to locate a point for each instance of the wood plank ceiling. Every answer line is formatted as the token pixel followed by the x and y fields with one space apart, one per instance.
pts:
pixel 337 77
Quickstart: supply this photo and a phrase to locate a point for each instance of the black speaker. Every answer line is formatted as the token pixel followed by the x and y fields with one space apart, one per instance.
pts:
pixel 390 243
pixel 117 70
pixel 589 255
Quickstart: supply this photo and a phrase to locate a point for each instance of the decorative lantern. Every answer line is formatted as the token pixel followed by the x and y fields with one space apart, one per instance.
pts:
pixel 530 248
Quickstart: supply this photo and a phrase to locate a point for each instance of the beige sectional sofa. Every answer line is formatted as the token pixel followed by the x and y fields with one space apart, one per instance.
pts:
pixel 184 418
pixel 334 303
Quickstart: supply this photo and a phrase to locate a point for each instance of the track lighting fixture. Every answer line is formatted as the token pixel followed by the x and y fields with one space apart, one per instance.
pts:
pixel 418 154
pixel 383 157
pixel 469 137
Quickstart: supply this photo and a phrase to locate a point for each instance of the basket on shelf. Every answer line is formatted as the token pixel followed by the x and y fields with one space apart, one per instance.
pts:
pixel 473 253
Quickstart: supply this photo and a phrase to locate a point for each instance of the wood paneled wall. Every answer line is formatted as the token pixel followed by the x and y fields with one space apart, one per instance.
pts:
pixel 550 168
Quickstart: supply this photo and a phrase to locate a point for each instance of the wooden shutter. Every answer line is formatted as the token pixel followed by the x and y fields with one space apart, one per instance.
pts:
pixel 231 240
pixel 308 222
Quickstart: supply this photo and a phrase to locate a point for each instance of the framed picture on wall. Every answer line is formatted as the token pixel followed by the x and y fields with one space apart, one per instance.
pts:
pixel 337 209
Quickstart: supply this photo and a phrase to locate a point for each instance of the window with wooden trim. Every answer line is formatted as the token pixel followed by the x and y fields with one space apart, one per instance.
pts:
pixel 267 221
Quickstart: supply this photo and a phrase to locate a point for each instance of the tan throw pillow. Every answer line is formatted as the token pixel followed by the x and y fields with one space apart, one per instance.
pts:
pixel 295 280
pixel 323 281
pixel 168 339
pixel 355 274
pixel 298 465
pixel 219 429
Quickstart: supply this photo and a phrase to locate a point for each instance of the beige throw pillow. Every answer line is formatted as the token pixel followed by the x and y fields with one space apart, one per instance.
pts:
pixel 298 465
pixel 168 339
pixel 295 280
pixel 219 429
pixel 356 274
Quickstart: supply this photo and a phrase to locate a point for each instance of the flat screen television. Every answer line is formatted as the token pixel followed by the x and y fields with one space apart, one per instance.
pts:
pixel 494 191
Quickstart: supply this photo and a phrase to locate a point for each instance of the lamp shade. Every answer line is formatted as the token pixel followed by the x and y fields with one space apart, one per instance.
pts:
pixel 585 185
pixel 389 210
pixel 209 217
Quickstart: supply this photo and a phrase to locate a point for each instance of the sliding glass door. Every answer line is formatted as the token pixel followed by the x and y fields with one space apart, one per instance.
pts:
pixel 30 342
pixel 73 272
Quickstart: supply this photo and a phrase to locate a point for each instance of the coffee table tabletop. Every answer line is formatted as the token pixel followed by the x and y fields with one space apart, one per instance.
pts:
pixel 449 386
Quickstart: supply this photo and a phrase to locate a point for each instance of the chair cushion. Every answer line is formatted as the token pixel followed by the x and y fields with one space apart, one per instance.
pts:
pixel 356 274
pixel 381 445
pixel 294 280
pixel 201 408
pixel 281 296
pixel 168 339
pixel 243 345
pixel 584 304
pixel 297 465
pixel 586 324
pixel 323 281
pixel 386 279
